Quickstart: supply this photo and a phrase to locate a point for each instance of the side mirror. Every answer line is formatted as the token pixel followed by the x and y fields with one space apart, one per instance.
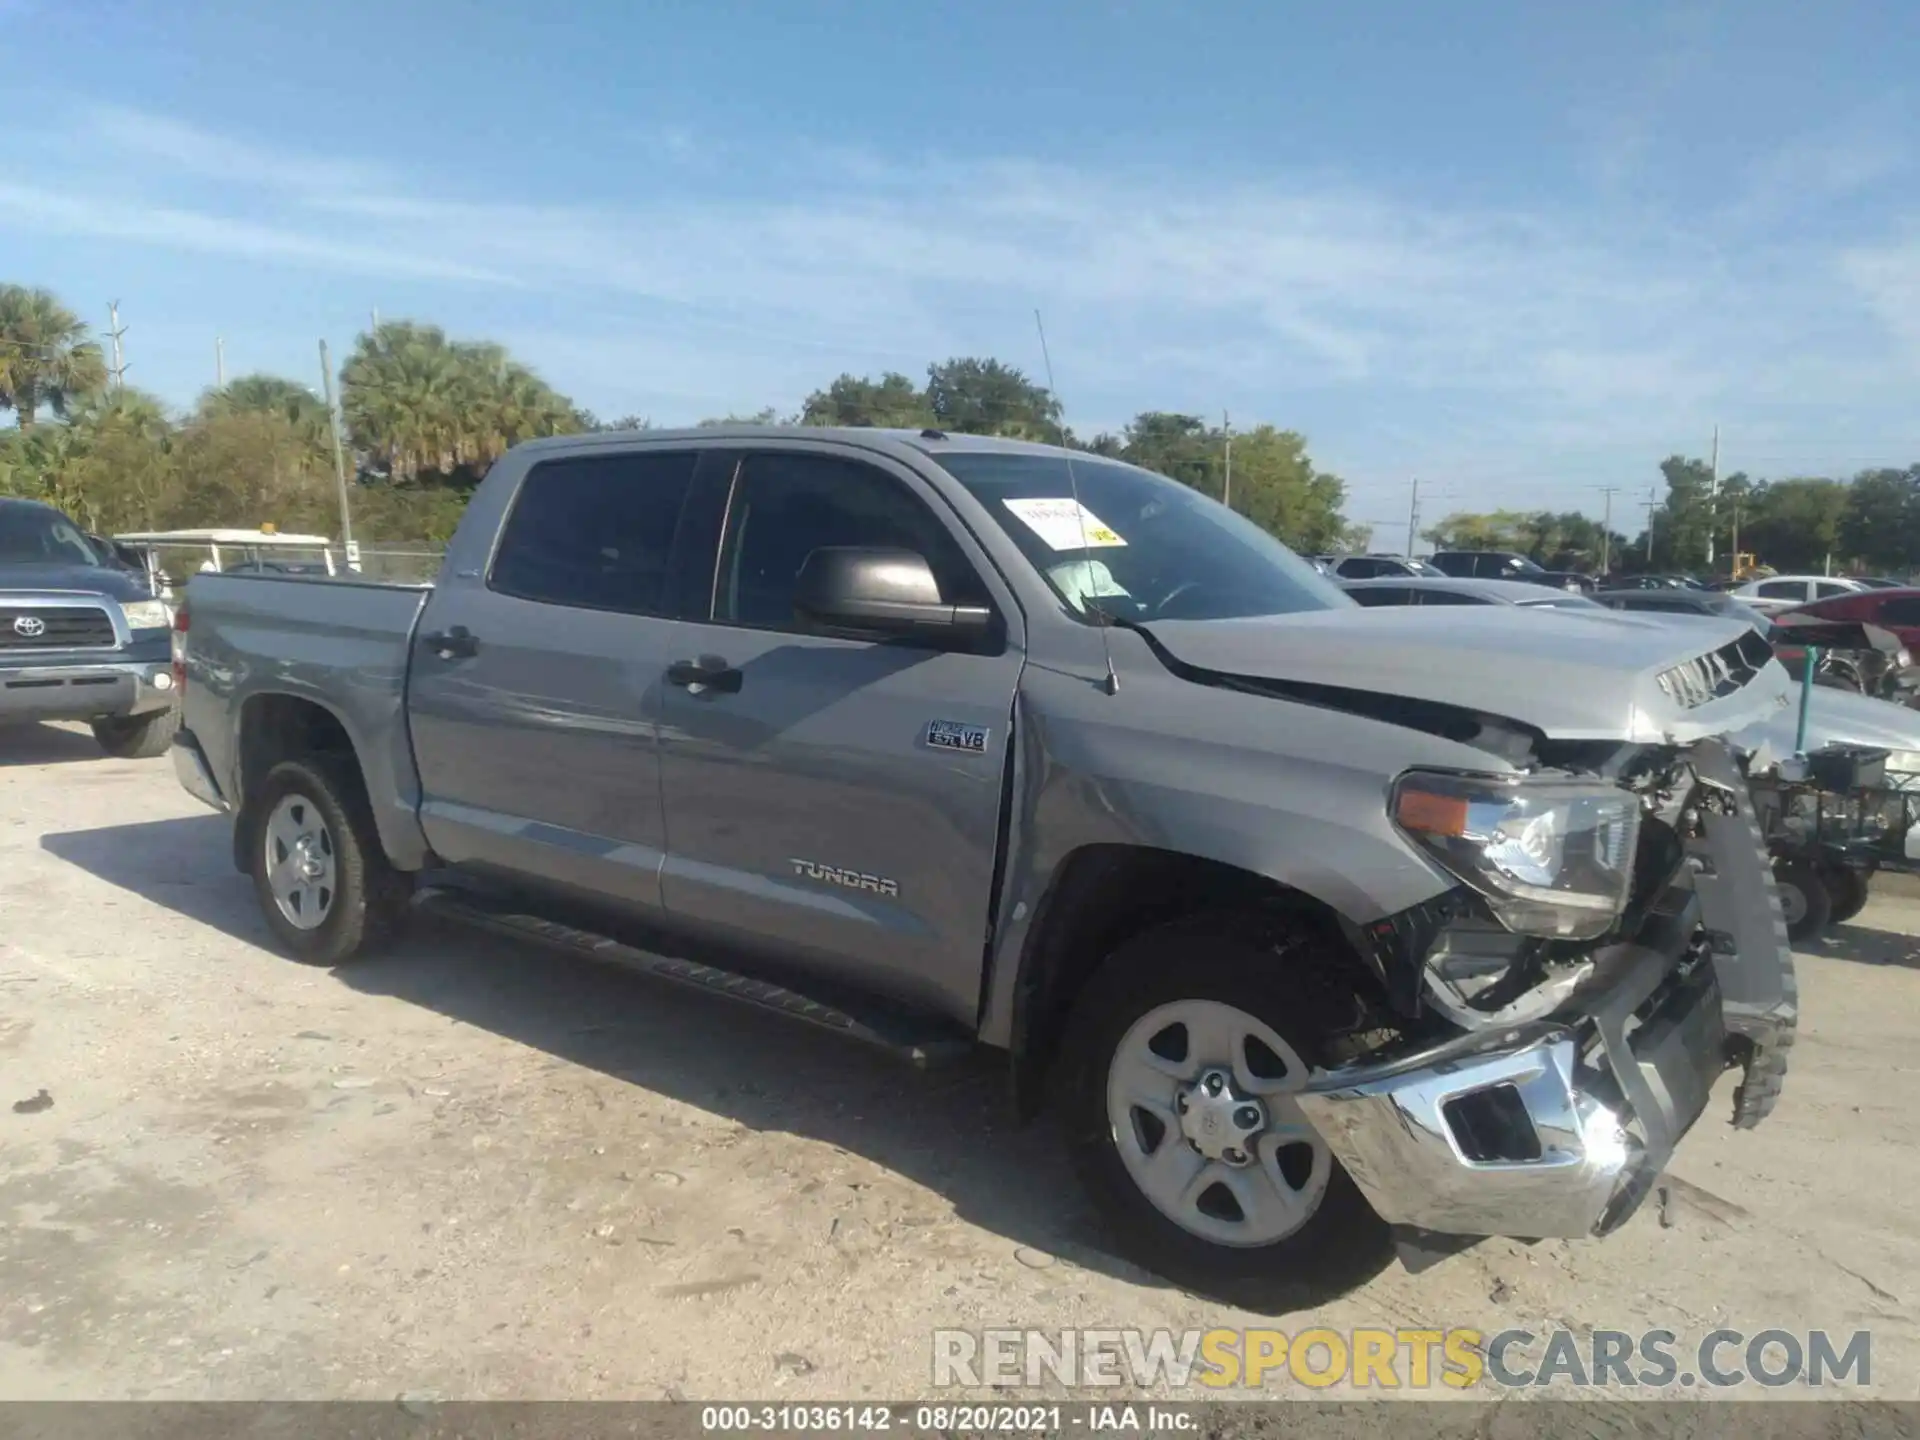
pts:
pixel 873 591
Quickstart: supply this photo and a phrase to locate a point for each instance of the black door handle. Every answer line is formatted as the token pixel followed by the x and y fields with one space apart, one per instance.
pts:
pixel 454 643
pixel 709 672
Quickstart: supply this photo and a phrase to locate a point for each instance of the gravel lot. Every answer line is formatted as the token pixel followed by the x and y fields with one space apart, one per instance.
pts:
pixel 471 1169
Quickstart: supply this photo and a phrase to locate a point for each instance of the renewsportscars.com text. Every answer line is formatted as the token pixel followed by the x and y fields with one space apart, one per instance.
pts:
pixel 1381 1359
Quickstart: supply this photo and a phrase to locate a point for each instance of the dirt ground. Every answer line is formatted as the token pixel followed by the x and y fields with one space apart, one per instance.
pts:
pixel 476 1170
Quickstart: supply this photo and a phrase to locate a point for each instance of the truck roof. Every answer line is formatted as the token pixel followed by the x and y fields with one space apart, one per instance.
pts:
pixel 925 441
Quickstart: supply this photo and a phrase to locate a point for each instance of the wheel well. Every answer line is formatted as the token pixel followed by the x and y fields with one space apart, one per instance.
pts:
pixel 1103 895
pixel 274 728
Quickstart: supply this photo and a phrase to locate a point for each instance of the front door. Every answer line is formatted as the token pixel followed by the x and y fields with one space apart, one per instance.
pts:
pixel 834 804
pixel 535 691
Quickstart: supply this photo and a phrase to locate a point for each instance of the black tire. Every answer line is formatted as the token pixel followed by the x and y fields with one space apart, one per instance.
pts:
pixel 1847 890
pixel 369 897
pixel 1804 898
pixel 1303 996
pixel 138 737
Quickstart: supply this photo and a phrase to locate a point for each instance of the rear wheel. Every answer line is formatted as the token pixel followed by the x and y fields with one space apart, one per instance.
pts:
pixel 137 737
pixel 1178 1084
pixel 1848 891
pixel 1805 902
pixel 322 879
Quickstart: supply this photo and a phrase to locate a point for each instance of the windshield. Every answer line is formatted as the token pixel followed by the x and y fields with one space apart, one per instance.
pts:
pixel 1520 565
pixel 34 535
pixel 1153 549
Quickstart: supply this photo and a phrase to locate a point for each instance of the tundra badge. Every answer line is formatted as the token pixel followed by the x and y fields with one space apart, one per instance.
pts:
pixel 956 735
pixel 847 879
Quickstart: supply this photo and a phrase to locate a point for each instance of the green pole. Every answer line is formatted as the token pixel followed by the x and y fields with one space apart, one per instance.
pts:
pixel 1806 699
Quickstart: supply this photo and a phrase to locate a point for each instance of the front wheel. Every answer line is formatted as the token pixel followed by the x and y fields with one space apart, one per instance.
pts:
pixel 137 737
pixel 1805 902
pixel 321 876
pixel 1179 1079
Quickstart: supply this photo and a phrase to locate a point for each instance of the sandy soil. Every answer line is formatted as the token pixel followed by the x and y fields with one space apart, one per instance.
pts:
pixel 471 1169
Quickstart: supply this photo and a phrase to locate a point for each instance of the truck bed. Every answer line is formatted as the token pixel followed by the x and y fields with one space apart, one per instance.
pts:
pixel 343 643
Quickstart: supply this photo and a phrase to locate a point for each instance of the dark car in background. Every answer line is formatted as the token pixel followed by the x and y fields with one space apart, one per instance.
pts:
pixel 1506 565
pixel 82 637
pixel 1679 600
pixel 1369 567
pixel 1451 590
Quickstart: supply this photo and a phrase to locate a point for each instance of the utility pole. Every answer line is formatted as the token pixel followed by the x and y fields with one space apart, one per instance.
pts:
pixel 1226 492
pixel 1653 504
pixel 376 319
pixel 219 363
pixel 1606 528
pixel 339 455
pixel 1413 517
pixel 114 332
pixel 1736 535
pixel 1713 499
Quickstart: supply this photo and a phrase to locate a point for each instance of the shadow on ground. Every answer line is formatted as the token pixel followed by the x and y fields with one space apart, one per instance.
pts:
pixel 1867 946
pixel 950 1130
pixel 46 745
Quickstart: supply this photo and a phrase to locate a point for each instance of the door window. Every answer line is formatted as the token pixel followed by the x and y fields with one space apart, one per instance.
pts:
pixel 1452 597
pixel 1824 588
pixel 1376 595
pixel 786 506
pixel 595 532
pixel 1782 590
pixel 1360 567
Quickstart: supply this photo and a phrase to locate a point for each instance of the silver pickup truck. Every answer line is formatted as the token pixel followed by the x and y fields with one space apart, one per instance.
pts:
pixel 1320 930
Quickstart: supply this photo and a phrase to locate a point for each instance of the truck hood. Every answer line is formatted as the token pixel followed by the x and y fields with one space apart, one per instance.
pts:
pixel 1568 675
pixel 91 579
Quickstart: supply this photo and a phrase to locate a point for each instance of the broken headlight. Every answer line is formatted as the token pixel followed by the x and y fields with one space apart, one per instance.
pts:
pixel 1551 857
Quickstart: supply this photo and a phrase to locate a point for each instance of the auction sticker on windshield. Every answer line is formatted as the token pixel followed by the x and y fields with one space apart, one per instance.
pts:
pixel 1064 524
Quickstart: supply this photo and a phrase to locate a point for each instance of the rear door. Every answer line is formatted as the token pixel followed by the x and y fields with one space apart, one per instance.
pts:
pixel 834 804
pixel 535 694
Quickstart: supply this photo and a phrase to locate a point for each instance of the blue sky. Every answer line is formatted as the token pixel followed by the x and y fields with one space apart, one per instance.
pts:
pixel 1519 251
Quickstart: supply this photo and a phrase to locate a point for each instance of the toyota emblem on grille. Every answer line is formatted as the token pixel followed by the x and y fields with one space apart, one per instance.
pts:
pixel 32 627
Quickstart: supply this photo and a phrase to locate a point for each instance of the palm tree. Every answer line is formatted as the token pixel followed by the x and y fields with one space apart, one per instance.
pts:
pixel 45 355
pixel 304 411
pixel 417 403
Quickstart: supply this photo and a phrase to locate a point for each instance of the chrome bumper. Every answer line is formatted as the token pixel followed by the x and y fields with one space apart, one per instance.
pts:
pixel 1542 1131
pixel 84 690
pixel 194 774
pixel 1559 1128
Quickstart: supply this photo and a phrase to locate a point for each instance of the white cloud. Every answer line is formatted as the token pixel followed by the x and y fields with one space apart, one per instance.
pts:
pixel 1540 333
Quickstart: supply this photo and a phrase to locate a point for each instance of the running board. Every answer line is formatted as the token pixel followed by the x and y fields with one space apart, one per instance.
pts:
pixel 921 1042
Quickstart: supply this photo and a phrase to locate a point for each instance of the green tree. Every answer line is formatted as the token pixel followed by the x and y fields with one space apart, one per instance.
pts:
pixel 1881 523
pixel 892 402
pixel 986 397
pixel 46 359
pixel 305 411
pixel 1795 524
pixel 767 416
pixel 417 403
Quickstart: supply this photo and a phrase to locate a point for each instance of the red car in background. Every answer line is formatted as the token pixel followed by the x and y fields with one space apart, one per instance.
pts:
pixel 1897 610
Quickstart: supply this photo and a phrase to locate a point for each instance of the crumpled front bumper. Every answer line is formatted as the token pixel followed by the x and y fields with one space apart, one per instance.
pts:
pixel 1559 1127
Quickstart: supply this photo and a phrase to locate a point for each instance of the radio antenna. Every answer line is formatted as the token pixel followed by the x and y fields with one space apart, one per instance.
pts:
pixel 1112 685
